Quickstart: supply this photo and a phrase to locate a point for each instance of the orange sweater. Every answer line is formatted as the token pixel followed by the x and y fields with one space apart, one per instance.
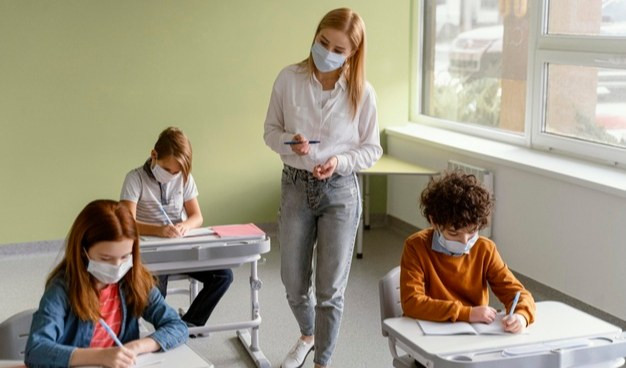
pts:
pixel 439 287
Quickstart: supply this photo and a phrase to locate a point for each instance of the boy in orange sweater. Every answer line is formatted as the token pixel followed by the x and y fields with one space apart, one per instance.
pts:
pixel 445 269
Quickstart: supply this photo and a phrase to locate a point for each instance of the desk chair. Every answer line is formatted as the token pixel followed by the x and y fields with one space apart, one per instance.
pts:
pixel 391 307
pixel 14 334
pixel 194 287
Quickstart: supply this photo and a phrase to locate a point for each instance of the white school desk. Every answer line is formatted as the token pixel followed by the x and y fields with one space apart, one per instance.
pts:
pixel 203 253
pixel 561 336
pixel 182 356
pixel 387 165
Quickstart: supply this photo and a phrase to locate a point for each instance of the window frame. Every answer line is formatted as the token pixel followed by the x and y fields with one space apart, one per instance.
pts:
pixel 543 48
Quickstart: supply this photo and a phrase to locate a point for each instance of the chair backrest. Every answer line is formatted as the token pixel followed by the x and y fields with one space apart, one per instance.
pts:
pixel 389 294
pixel 14 334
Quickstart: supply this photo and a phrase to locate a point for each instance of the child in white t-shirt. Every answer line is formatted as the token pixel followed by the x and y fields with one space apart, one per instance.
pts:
pixel 162 196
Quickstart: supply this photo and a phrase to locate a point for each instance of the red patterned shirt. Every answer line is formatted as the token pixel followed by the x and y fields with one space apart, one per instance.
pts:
pixel 111 312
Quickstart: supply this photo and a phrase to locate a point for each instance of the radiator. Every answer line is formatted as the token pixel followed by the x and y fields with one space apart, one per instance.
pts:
pixel 484 176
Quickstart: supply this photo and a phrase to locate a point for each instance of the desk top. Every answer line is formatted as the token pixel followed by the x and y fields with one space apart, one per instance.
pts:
pixel 388 165
pixel 164 255
pixel 554 321
pixel 182 356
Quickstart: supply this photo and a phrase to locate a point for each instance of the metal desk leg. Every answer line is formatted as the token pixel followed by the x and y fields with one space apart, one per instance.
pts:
pixel 366 202
pixel 250 339
pixel 359 232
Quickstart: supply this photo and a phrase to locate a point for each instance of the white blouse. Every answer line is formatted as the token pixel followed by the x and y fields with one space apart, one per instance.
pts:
pixel 297 106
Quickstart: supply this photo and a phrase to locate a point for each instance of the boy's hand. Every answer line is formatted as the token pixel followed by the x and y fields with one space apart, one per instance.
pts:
pixel 117 357
pixel 300 149
pixel 170 231
pixel 482 314
pixel 182 228
pixel 515 324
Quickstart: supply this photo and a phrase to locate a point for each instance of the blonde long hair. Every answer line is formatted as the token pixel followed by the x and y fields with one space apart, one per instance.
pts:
pixel 350 23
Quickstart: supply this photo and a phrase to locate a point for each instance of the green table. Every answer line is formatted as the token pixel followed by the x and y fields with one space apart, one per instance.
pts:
pixel 387 165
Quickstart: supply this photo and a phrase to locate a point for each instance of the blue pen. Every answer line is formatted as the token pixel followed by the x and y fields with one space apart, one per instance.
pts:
pixel 515 300
pixel 111 333
pixel 298 142
pixel 165 214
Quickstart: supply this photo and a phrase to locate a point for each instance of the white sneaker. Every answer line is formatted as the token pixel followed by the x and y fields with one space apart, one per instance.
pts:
pixel 297 355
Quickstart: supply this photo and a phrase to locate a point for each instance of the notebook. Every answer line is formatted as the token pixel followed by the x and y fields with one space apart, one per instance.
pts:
pixel 147 360
pixel 201 231
pixel 213 233
pixel 237 231
pixel 463 328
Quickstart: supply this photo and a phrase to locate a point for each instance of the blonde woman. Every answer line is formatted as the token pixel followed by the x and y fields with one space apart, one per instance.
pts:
pixel 322 122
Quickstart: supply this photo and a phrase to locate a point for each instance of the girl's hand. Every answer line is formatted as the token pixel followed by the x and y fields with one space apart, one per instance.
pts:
pixel 170 231
pixel 321 172
pixel 515 324
pixel 300 149
pixel 482 314
pixel 117 357
pixel 182 228
pixel 134 346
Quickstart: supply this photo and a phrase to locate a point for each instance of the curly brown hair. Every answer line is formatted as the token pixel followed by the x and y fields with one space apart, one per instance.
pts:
pixel 456 200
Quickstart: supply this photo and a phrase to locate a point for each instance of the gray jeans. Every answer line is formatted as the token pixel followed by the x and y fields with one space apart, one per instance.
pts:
pixel 317 226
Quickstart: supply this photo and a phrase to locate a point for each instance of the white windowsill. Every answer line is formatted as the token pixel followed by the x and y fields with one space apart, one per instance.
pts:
pixel 595 176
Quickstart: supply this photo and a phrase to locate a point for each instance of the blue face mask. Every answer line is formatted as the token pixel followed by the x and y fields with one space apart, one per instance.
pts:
pixel 326 61
pixel 455 247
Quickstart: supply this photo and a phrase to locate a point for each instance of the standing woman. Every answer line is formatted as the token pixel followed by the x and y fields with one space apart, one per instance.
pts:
pixel 322 121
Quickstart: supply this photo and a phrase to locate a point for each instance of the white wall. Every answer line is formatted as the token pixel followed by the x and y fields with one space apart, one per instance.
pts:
pixel 566 236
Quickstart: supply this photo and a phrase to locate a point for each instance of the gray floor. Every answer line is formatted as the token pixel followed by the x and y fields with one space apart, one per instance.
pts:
pixel 360 344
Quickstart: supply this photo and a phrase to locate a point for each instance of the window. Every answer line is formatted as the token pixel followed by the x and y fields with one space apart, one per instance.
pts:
pixel 475 64
pixel 550 74
pixel 587 17
pixel 586 103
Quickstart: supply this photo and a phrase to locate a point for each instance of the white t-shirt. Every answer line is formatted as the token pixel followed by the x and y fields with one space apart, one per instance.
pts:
pixel 143 189
pixel 299 105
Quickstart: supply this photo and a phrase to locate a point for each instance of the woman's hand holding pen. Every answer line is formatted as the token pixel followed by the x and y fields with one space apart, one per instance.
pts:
pixel 515 323
pixel 300 149
pixel 324 171
pixel 117 357
pixel 482 314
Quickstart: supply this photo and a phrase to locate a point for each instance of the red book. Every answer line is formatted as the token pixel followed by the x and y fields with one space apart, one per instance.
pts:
pixel 242 230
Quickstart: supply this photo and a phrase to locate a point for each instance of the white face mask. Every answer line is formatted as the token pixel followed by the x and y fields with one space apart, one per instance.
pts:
pixel 107 273
pixel 163 176
pixel 454 246
pixel 326 61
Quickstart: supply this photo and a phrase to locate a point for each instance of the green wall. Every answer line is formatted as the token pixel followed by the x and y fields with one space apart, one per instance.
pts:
pixel 86 86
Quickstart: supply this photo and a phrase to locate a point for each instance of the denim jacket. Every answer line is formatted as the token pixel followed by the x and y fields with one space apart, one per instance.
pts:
pixel 56 331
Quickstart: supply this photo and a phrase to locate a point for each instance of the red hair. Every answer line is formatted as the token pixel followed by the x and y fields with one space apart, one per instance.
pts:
pixel 101 220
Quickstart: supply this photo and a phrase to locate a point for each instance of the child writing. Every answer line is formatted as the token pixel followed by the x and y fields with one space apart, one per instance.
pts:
pixel 445 269
pixel 162 196
pixel 100 283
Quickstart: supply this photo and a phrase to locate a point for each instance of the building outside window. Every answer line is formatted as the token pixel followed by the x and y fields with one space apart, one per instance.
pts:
pixel 550 74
